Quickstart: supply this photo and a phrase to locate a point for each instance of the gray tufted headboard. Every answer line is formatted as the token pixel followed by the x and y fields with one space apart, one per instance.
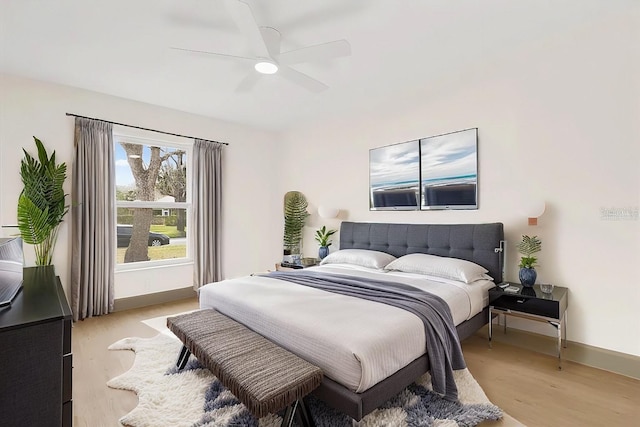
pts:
pixel 473 242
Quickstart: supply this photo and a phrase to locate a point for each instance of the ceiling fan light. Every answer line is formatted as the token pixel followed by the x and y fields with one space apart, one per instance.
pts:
pixel 266 67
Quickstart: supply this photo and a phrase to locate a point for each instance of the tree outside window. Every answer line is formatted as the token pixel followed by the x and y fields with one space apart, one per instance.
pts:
pixel 151 199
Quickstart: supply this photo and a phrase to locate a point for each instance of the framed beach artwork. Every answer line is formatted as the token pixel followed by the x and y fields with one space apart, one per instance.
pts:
pixel 394 177
pixel 449 171
pixel 438 172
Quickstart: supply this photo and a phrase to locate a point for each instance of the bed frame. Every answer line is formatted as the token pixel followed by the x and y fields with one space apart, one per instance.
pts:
pixel 479 243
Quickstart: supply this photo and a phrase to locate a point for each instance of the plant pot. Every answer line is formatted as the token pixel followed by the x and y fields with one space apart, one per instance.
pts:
pixel 323 252
pixel 527 276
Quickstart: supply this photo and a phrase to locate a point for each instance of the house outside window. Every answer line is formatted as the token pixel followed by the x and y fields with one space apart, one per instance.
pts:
pixel 152 202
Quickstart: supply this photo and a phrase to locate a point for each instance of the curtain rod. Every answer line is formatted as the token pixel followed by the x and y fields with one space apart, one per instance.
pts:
pixel 141 128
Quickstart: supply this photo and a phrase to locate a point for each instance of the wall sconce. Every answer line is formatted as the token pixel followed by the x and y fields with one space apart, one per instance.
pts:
pixel 326 212
pixel 535 210
pixel 502 260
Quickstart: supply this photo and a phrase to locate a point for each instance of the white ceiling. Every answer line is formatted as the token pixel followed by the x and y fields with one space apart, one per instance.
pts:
pixel 402 50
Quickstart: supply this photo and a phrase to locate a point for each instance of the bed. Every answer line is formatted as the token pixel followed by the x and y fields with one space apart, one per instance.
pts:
pixel 364 365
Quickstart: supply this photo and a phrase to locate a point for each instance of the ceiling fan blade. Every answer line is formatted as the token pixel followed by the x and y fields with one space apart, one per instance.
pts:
pixel 316 53
pixel 246 22
pixel 248 82
pixel 302 79
pixel 204 52
pixel 271 38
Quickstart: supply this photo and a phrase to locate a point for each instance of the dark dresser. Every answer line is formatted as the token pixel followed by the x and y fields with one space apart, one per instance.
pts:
pixel 35 354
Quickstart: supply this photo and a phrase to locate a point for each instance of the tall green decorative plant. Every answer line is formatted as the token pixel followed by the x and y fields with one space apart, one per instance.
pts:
pixel 41 205
pixel 295 215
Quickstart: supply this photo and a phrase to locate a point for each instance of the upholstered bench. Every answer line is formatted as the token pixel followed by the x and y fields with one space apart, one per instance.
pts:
pixel 262 375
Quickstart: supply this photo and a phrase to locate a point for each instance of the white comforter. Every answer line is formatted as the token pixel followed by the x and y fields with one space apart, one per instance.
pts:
pixel 355 342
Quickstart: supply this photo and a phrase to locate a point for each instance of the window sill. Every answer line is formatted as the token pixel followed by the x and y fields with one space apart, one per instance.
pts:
pixel 152 265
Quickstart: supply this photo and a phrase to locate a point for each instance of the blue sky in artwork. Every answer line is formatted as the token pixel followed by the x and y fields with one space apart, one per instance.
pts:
pixel 394 164
pixel 449 156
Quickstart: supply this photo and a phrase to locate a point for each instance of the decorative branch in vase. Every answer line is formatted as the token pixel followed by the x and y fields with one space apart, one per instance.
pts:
pixel 322 237
pixel 527 247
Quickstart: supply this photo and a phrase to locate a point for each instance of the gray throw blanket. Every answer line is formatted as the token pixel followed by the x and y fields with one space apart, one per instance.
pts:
pixel 443 345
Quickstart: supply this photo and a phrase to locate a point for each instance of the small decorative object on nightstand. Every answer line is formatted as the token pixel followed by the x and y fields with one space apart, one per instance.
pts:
pixel 531 303
pixel 322 237
pixel 527 247
pixel 546 288
pixel 309 262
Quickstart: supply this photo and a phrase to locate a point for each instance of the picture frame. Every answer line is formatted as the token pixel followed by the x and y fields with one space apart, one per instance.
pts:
pixel 433 173
pixel 394 177
pixel 449 171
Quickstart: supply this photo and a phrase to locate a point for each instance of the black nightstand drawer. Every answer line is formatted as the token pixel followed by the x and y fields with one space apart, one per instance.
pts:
pixel 530 301
pixel 528 305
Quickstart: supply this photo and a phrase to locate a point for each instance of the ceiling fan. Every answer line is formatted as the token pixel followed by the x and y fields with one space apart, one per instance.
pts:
pixel 268 59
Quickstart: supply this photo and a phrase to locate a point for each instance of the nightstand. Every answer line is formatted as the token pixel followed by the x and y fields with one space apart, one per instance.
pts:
pixel 280 267
pixel 531 303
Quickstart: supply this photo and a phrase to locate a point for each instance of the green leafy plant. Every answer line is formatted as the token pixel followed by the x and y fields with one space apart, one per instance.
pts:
pixel 41 205
pixel 295 215
pixel 527 247
pixel 322 236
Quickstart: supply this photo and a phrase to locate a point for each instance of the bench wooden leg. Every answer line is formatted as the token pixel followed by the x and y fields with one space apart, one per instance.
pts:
pixel 183 358
pixel 300 411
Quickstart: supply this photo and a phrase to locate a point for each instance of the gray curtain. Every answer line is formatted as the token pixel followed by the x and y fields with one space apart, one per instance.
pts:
pixel 206 221
pixel 92 220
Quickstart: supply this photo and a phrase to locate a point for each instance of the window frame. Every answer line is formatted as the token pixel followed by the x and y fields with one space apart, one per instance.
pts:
pixel 187 205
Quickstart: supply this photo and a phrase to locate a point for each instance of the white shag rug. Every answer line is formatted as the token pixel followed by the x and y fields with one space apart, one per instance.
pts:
pixel 194 397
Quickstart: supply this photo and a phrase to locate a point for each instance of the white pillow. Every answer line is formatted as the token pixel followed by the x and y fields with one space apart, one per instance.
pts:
pixel 433 265
pixel 361 257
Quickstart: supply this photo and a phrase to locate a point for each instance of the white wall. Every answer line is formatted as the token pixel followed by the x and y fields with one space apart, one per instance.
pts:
pixel 558 121
pixel 251 205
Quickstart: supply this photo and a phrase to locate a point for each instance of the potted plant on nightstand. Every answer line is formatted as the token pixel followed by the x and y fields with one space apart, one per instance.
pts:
pixel 527 247
pixel 322 237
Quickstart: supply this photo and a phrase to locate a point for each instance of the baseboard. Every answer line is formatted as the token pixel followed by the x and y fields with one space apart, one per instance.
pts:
pixel 153 299
pixel 608 360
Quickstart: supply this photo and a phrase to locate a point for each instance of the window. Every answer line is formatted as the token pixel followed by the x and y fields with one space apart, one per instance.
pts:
pixel 152 201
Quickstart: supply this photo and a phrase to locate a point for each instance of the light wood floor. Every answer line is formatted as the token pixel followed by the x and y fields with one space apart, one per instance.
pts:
pixel 525 384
